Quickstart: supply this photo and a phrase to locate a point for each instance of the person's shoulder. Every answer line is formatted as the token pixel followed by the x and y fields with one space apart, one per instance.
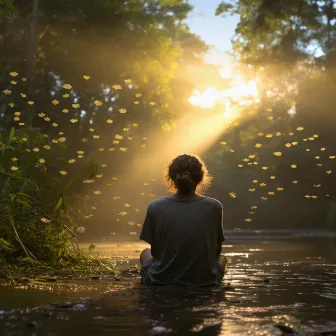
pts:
pixel 159 201
pixel 214 202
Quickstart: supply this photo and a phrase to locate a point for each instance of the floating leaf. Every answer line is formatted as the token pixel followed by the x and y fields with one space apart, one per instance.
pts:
pixel 98 103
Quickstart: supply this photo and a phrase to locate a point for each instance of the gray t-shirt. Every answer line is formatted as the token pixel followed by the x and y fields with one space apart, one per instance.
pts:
pixel 185 237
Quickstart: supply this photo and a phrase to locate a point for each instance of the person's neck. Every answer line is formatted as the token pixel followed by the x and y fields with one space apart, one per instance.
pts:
pixel 186 196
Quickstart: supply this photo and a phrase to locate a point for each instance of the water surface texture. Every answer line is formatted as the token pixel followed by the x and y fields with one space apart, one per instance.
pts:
pixel 272 287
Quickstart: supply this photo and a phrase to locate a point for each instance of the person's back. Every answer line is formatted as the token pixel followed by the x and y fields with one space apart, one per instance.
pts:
pixel 185 232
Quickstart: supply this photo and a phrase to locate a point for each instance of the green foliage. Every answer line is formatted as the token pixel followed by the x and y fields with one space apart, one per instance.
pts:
pixel 97 46
pixel 6 9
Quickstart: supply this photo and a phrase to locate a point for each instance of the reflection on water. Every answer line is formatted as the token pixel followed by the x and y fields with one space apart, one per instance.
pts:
pixel 271 288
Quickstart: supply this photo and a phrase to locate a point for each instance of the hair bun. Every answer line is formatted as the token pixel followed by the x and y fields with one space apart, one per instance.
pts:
pixel 184 176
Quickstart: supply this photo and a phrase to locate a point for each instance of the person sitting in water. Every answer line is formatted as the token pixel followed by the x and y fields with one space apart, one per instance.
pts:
pixel 185 231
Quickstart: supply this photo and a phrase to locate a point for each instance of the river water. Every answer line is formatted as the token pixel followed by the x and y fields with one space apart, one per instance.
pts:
pixel 273 286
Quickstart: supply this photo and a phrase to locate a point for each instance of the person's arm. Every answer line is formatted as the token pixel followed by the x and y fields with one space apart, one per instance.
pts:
pixel 148 231
pixel 220 234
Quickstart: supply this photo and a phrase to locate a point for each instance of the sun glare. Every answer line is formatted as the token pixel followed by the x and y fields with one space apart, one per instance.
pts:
pixel 243 93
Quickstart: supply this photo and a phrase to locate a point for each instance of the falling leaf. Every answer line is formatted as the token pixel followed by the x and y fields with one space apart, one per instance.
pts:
pixel 293 166
pixel 62 172
pixel 7 92
pixel 81 229
pixel 288 145
pixel 252 190
pixel 329 171
pixel 277 153
pixel 332 157
pixel 89 181
pixel 109 121
pixel 41 115
pixel 71 161
pixel 66 95
pixel 67 86
pixel 232 194
pixel 45 220
pixel 258 145
pixel 295 182
pixel 86 77
pixel 14 168
pixel 300 129
pixel 272 177
pixel 263 184
pixel 116 87
pixel 280 189
pixel 42 160
pixel 97 192
pixel 269 135
pixel 98 103
pixel 255 181
pixel 65 110
pixel 123 149
pixel 55 102
pixel 122 110
pixel 264 168
pixel 73 120
pixel 223 143
pixel 271 193
pixel 126 205
pixel 75 105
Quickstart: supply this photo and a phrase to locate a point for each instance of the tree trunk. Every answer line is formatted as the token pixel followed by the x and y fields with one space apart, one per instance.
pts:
pixel 32 48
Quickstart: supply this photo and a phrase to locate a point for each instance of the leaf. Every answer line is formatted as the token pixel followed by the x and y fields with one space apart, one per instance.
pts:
pixel 58 203
pixel 224 8
pixel 11 135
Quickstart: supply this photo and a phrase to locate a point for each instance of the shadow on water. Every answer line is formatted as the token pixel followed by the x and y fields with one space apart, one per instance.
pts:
pixel 271 288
